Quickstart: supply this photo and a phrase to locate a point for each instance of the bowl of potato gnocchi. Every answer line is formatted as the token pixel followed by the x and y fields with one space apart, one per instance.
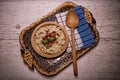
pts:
pixel 49 39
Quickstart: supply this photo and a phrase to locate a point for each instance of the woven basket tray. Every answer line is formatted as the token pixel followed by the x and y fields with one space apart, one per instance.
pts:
pixel 54 65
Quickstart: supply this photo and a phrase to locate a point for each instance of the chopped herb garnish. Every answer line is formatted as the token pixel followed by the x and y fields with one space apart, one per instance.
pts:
pixel 45 42
pixel 52 38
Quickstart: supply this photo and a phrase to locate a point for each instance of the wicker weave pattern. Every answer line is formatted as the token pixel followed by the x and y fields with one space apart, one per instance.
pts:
pixel 52 66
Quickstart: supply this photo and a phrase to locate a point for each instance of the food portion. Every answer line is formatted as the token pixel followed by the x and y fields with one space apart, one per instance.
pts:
pixel 50 39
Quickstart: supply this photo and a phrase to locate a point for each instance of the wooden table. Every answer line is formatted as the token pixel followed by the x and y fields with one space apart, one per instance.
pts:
pixel 101 63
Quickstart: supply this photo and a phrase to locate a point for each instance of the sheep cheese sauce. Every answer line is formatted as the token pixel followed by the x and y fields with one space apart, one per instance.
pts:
pixel 50 39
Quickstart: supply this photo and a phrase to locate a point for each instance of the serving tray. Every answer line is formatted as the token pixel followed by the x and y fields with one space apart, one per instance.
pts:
pixel 51 66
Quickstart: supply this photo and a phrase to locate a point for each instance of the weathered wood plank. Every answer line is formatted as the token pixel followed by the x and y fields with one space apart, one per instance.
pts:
pixel 18 71
pixel 10 47
pixel 23 14
pixel 107 31
pixel 101 63
pixel 19 12
pixel 105 55
pixel 10 51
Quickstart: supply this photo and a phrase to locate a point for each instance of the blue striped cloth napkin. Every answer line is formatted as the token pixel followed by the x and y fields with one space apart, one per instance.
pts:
pixel 83 34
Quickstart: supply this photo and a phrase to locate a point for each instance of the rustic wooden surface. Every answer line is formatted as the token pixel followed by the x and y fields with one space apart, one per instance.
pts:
pixel 101 63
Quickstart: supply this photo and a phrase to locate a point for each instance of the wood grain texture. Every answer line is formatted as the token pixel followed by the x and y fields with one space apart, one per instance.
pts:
pixel 101 63
pixel 72 22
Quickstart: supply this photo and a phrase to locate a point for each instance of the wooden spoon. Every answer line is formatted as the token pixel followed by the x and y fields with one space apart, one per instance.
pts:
pixel 72 22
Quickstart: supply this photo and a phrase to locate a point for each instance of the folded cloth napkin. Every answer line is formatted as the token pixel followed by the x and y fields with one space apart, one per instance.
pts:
pixel 83 34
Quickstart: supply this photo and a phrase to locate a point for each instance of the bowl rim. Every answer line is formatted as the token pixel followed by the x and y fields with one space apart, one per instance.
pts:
pixel 36 47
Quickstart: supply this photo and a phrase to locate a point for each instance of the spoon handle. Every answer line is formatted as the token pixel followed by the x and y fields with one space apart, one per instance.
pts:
pixel 74 52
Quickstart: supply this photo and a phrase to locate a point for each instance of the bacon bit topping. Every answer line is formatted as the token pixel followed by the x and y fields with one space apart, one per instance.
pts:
pixel 56 42
pixel 58 34
pixel 49 39
pixel 41 33
pixel 47 31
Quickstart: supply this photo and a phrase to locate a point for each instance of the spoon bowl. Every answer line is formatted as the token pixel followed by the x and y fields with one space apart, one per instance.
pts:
pixel 72 19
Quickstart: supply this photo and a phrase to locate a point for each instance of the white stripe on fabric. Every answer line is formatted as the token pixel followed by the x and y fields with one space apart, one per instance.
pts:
pixel 61 18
